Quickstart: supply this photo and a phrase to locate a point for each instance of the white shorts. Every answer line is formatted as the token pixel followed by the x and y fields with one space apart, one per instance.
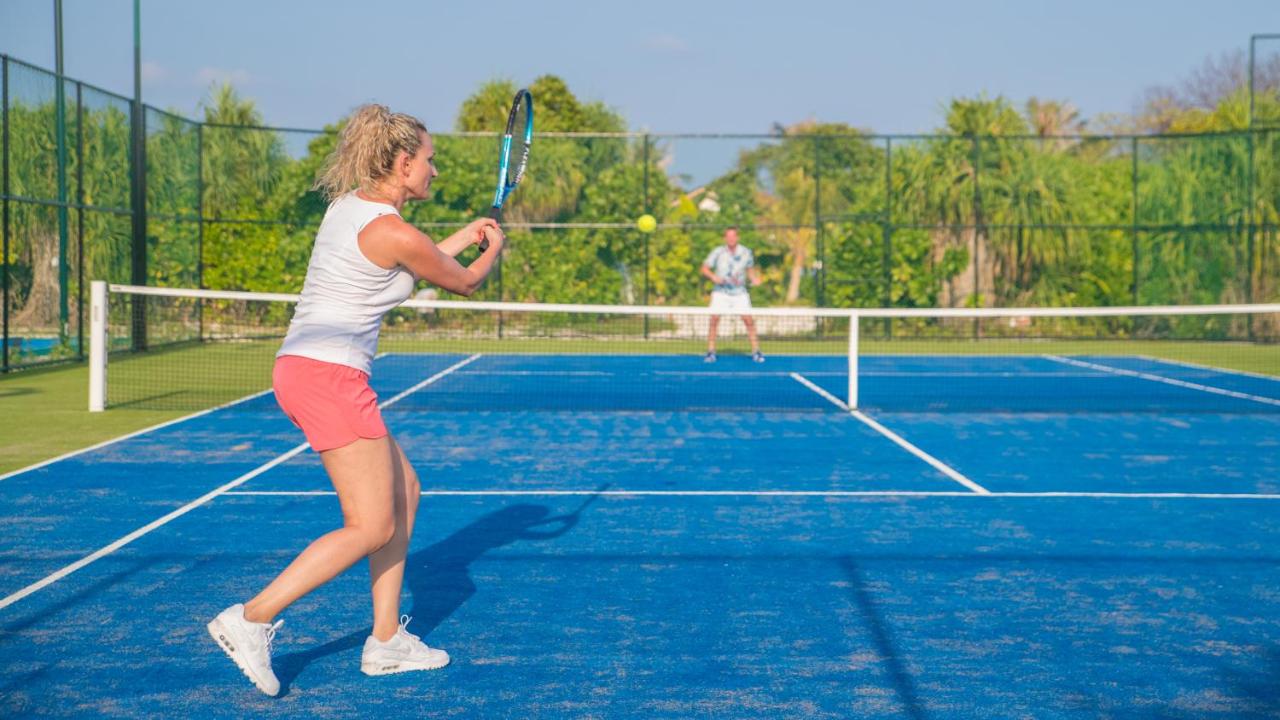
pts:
pixel 730 302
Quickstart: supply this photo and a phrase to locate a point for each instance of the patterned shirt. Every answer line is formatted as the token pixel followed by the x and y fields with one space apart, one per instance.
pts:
pixel 731 266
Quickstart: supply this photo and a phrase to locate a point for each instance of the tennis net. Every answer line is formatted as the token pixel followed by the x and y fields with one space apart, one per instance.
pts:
pixel 193 349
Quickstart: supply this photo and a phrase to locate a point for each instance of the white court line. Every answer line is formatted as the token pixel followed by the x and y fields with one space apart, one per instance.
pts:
pixel 790 493
pixel 896 438
pixel 728 373
pixel 872 373
pixel 936 463
pixel 989 374
pixel 825 395
pixel 1218 370
pixel 133 434
pixel 1167 381
pixel 456 366
pixel 541 373
pixel 108 549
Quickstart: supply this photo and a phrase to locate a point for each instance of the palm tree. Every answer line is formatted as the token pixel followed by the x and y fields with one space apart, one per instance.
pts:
pixel 945 181
pixel 242 164
pixel 1052 120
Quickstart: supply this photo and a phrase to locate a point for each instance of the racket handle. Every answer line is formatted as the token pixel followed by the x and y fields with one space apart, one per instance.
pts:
pixel 484 241
pixel 493 213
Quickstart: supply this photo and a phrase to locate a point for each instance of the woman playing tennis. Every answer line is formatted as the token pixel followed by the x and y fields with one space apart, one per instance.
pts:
pixel 365 262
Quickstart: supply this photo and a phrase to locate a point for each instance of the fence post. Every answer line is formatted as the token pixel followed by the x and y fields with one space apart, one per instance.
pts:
pixel 1133 215
pixel 200 225
pixel 1248 208
pixel 645 207
pixel 79 220
pixel 138 186
pixel 887 231
pixel 60 144
pixel 4 266
pixel 977 227
pixel 200 205
pixel 1253 44
pixel 820 276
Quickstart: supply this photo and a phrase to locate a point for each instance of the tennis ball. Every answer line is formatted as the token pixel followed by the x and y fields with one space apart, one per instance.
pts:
pixel 646 223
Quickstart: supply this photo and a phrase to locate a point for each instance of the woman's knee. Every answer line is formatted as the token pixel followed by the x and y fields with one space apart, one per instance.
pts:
pixel 383 534
pixel 376 534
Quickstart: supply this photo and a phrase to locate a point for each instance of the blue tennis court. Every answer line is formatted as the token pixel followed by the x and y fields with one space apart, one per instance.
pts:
pixel 1011 536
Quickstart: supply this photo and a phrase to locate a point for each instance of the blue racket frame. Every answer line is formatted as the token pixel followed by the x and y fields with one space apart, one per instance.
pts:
pixel 504 162
pixel 504 165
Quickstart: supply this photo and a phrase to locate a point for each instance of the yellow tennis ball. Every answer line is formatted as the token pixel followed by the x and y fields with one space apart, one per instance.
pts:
pixel 646 223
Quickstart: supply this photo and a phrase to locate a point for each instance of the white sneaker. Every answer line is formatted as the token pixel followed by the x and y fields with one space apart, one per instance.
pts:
pixel 248 644
pixel 402 653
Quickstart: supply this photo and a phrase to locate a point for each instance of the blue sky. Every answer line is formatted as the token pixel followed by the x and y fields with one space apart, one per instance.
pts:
pixel 667 66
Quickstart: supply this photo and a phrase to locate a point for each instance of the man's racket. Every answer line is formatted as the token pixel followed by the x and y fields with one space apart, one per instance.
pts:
pixel 515 153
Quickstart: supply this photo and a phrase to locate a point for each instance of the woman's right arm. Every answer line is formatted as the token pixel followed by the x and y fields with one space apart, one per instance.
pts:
pixel 390 241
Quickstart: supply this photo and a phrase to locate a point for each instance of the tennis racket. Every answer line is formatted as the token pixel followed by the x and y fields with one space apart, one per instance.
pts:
pixel 514 154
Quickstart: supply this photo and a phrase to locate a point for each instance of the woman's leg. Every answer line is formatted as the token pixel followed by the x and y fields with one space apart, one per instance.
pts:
pixel 386 566
pixel 363 474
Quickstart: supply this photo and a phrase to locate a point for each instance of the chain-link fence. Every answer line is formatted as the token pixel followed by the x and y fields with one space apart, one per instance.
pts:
pixel 836 218
pixel 66 214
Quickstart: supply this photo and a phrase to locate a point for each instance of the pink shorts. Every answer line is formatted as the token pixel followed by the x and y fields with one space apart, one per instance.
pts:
pixel 332 404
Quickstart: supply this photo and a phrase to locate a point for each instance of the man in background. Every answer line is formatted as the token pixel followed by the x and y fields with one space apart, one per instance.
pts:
pixel 730 267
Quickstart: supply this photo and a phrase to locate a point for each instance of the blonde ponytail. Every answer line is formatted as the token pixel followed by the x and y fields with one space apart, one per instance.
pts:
pixel 367 149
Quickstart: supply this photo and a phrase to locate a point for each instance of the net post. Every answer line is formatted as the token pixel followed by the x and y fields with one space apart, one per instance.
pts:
pixel 98 346
pixel 852 400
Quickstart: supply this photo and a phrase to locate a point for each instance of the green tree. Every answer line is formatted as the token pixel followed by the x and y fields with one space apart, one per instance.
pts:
pixel 173 189
pixel 565 174
pixel 247 245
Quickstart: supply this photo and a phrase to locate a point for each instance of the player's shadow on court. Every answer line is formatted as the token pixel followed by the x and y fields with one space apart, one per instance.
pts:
pixel 439 576
pixel 904 685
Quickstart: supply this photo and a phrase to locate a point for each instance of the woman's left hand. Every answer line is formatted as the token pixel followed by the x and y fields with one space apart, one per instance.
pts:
pixel 475 229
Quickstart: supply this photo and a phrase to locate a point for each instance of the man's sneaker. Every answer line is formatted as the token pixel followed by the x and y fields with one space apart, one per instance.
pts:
pixel 709 357
pixel 402 653
pixel 248 644
pixel 757 356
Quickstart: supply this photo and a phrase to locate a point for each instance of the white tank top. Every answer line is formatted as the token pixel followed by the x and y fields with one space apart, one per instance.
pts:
pixel 345 294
